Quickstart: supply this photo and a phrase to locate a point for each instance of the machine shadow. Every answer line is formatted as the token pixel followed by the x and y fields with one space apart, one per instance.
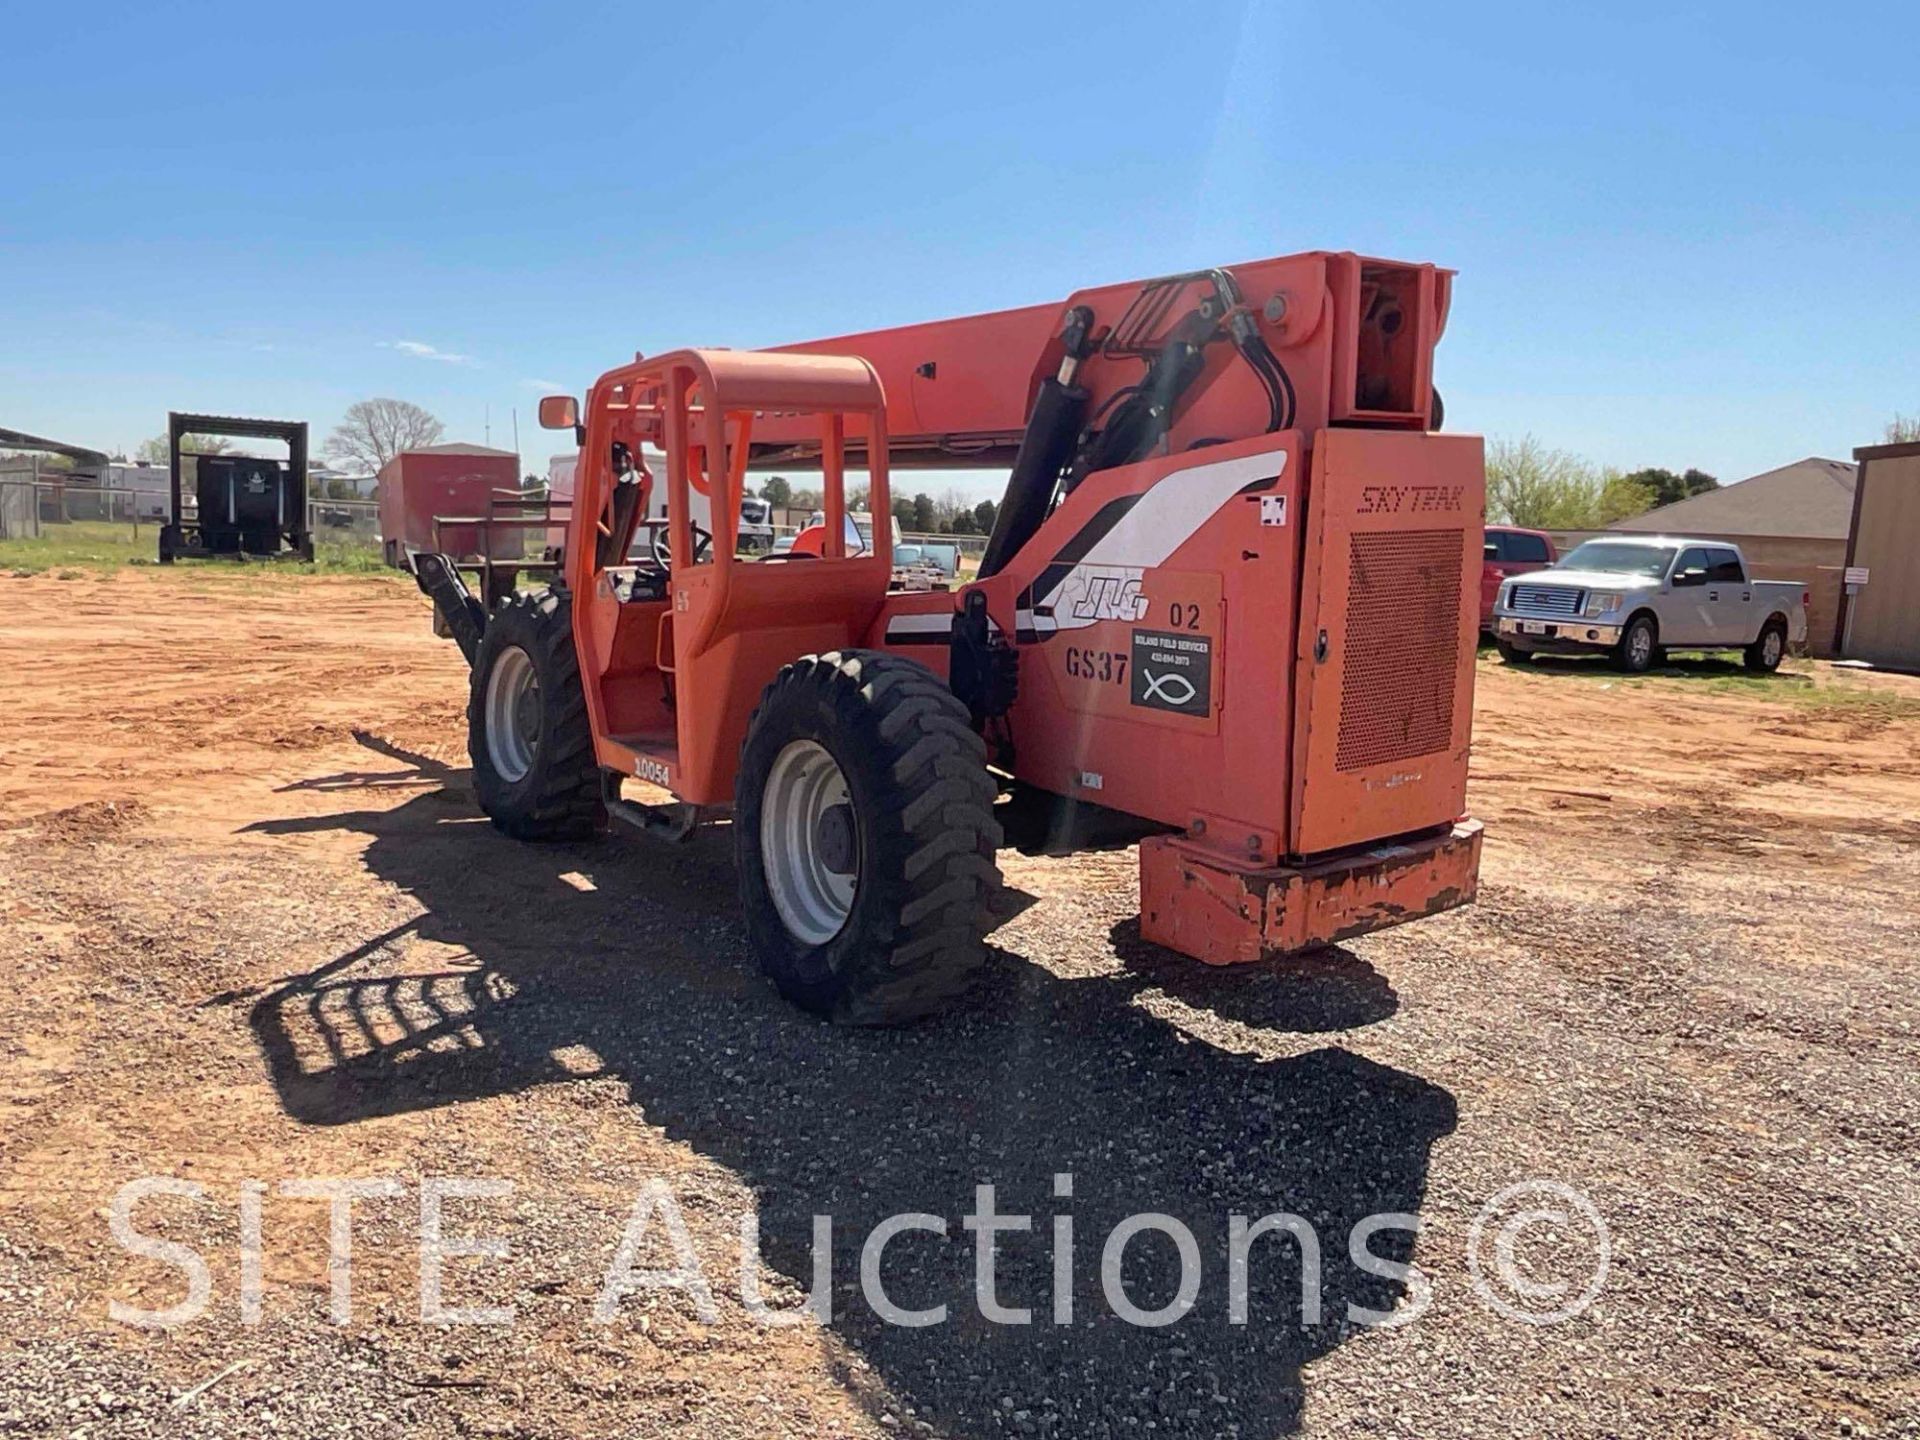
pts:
pixel 634 952
pixel 1323 990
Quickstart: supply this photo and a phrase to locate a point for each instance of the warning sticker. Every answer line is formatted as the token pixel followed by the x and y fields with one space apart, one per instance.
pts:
pixel 1172 671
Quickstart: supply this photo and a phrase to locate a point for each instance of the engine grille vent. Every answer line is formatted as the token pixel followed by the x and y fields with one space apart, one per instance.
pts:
pixel 1402 646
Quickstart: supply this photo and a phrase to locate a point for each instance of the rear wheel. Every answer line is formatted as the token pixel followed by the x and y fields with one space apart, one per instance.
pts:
pixel 1766 653
pixel 1639 646
pixel 527 733
pixel 864 831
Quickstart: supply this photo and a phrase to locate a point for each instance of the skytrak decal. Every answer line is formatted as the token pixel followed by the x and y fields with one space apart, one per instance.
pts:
pixel 1409 499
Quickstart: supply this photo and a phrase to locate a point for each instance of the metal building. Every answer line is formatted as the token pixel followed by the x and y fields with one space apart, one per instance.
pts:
pixel 1880 615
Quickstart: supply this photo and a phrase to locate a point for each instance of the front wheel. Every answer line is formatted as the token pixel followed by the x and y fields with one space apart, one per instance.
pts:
pixel 1512 653
pixel 1766 653
pixel 527 731
pixel 1639 646
pixel 864 832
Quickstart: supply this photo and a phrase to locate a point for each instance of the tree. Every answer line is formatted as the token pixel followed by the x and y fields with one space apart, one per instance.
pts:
pixel 47 462
pixel 1665 486
pixel 808 500
pixel 1530 485
pixel 374 431
pixel 925 520
pixel 902 514
pixel 962 523
pixel 1621 498
pixel 1542 489
pixel 1668 487
pixel 984 514
pixel 776 491
pixel 154 451
pixel 1903 430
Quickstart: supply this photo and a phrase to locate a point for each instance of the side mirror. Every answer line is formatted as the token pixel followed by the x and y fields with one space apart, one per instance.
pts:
pixel 559 412
pixel 1690 577
pixel 1490 551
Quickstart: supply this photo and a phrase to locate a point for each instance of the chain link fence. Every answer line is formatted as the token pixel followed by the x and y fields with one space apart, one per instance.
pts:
pixel 344 522
pixel 19 510
pixel 30 509
pixel 53 510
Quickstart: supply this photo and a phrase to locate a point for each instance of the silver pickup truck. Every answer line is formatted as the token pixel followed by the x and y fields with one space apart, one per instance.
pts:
pixel 1636 597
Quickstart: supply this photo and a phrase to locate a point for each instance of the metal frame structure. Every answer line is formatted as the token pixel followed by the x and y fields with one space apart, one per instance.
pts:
pixel 180 537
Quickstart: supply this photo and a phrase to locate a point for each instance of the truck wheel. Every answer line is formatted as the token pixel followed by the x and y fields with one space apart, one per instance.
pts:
pixel 864 832
pixel 1512 653
pixel 1639 646
pixel 527 732
pixel 1766 653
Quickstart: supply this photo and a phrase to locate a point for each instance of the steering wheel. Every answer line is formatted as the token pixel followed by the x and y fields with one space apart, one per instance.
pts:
pixel 662 545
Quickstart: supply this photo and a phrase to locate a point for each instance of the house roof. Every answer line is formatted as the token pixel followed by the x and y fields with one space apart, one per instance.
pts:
pixel 1810 499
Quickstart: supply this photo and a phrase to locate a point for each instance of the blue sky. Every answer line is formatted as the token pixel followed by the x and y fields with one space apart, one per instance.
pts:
pixel 1687 234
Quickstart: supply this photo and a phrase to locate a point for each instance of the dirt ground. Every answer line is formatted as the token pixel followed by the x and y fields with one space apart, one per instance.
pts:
pixel 257 933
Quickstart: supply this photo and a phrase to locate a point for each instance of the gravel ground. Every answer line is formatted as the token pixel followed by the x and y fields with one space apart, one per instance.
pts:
pixel 258 935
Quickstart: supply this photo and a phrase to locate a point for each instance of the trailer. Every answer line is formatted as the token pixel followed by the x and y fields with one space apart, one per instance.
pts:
pixel 437 497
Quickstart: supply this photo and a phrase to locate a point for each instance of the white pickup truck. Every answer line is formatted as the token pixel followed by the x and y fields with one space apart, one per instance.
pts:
pixel 1634 598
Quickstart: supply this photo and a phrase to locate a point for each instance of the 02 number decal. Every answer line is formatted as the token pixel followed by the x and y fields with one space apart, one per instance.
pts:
pixel 1108 667
pixel 1183 617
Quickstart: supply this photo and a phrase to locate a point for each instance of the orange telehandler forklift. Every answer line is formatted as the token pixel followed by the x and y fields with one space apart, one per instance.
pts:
pixel 1231 594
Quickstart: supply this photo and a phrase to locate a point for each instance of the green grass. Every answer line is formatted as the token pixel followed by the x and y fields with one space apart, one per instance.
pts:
pixel 333 557
pixel 97 546
pixel 82 545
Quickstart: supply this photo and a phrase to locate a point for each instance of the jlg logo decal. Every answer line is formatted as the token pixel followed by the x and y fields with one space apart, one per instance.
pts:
pixel 1409 499
pixel 1103 592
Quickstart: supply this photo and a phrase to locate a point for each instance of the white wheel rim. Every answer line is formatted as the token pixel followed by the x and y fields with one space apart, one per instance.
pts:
pixel 798 847
pixel 1770 651
pixel 513 714
pixel 1642 645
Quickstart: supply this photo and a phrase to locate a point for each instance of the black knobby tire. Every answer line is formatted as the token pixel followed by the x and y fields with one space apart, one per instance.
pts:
pixel 1633 656
pixel 1764 658
pixel 1512 653
pixel 559 796
pixel 924 837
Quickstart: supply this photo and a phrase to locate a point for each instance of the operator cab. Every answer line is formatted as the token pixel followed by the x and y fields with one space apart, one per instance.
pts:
pixel 670 622
pixel 636 526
